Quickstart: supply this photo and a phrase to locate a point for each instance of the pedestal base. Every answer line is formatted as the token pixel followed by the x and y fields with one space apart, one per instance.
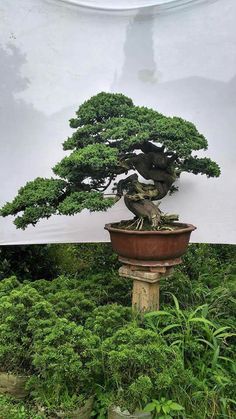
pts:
pixel 150 263
pixel 145 296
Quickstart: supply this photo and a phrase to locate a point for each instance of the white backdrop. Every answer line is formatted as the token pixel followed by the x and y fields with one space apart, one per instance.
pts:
pixel 181 62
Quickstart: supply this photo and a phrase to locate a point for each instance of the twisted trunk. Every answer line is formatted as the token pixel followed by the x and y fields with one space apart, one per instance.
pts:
pixel 153 165
pixel 144 209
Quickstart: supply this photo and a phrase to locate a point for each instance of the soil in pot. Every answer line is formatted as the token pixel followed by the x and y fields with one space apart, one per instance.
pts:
pixel 133 225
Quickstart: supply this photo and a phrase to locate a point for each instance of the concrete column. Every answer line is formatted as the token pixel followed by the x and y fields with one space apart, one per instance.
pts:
pixel 145 296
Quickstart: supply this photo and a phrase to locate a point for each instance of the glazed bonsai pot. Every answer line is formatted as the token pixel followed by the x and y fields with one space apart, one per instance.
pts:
pixel 153 245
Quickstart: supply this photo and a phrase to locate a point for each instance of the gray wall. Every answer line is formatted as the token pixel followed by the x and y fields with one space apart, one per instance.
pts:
pixel 54 56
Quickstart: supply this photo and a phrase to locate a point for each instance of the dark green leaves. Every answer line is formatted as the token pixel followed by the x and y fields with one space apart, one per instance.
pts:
pixel 135 365
pixel 178 135
pixel 85 135
pixel 37 192
pixel 95 160
pixel 204 166
pixel 165 409
pixel 37 199
pixel 78 201
pixel 101 107
pixel 130 126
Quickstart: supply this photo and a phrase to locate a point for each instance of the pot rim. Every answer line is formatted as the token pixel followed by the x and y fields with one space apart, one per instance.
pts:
pixel 186 228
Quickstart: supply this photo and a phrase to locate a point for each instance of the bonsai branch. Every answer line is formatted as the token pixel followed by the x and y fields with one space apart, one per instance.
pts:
pixel 156 166
pixel 106 186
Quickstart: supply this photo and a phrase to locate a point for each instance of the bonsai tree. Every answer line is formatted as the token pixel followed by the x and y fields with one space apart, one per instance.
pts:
pixel 114 137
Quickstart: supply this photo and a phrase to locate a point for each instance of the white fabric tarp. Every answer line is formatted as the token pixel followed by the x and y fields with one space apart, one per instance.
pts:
pixel 180 61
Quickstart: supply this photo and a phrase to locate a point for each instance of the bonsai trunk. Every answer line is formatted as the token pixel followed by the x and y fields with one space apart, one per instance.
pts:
pixel 153 165
pixel 144 209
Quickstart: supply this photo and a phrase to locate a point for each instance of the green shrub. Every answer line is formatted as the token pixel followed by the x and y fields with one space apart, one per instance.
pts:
pixel 48 261
pixel 10 409
pixel 215 286
pixel 189 292
pixel 135 362
pixel 104 321
pixel 184 353
pixel 107 288
pixel 207 350
pixel 198 337
pixel 72 305
pixel 75 298
pixel 65 296
pixel 208 260
pixel 66 364
pixel 16 311
pixel 8 284
pixel 27 262
pixel 49 288
pixel 100 289
pixel 165 409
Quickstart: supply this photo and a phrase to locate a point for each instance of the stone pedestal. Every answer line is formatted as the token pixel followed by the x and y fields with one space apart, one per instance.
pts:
pixel 145 296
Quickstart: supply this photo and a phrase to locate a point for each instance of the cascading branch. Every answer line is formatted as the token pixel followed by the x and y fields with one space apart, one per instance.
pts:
pixel 113 137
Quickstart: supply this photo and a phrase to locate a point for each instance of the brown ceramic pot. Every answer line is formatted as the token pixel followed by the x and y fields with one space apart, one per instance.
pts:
pixel 151 245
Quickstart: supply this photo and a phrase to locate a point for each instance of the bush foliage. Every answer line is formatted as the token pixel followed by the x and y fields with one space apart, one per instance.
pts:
pixel 76 335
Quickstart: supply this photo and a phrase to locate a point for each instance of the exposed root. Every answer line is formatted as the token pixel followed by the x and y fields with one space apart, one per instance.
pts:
pixel 133 223
pixel 169 218
pixel 155 221
pixel 165 228
pixel 138 223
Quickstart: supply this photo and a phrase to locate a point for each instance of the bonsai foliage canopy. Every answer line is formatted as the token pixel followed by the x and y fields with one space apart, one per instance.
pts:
pixel 113 137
